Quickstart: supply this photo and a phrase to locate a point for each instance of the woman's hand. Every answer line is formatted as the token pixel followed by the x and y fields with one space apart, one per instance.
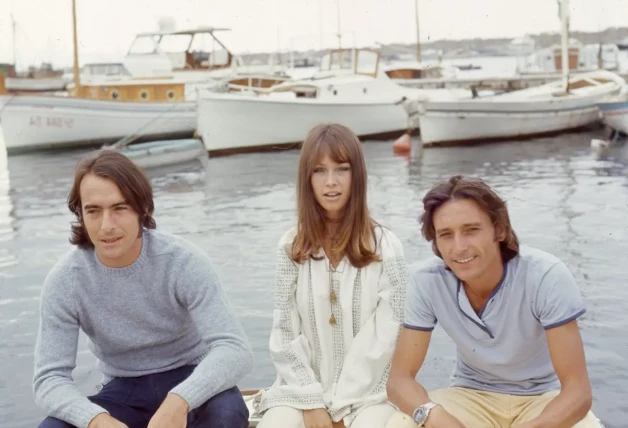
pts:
pixel 317 418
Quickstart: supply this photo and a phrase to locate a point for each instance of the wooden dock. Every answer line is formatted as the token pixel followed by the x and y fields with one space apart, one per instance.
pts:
pixel 497 83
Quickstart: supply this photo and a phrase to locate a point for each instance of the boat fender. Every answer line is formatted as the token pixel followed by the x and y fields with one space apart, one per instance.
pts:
pixel 403 144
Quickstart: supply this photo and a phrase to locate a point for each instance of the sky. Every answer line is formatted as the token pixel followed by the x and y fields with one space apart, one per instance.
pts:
pixel 106 28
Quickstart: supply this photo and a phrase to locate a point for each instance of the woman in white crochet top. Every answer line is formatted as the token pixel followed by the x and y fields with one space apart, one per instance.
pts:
pixel 339 297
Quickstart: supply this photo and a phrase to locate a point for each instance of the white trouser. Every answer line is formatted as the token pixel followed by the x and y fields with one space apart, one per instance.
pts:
pixel 375 416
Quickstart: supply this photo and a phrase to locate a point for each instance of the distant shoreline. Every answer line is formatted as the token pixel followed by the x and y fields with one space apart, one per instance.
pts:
pixel 485 47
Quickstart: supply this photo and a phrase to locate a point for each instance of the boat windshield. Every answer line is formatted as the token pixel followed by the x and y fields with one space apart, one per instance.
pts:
pixel 174 43
pixel 144 45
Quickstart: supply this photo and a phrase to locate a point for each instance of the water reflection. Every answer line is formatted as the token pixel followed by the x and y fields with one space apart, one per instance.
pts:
pixel 562 199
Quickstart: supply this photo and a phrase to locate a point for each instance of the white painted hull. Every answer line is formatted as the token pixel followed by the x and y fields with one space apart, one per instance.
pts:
pixel 615 115
pixel 35 85
pixel 446 127
pixel 161 153
pixel 227 122
pixel 38 122
pixel 527 113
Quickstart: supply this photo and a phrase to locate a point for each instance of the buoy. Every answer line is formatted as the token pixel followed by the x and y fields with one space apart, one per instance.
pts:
pixel 599 144
pixel 403 144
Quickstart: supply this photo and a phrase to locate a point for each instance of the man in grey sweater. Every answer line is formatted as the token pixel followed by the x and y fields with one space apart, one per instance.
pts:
pixel 167 340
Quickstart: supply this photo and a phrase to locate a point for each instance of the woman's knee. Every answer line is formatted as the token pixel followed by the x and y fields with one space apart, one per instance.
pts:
pixel 400 420
pixel 282 416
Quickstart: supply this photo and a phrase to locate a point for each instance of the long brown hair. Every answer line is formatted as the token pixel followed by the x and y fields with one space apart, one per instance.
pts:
pixel 458 187
pixel 355 236
pixel 129 178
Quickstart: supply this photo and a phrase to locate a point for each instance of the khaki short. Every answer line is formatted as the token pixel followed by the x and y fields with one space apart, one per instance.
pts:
pixel 481 409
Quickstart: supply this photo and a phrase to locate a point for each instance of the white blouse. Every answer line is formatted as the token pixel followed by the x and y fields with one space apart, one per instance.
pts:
pixel 342 367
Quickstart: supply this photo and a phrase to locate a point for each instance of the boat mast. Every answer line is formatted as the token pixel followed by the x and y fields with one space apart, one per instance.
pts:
pixel 76 64
pixel 339 35
pixel 418 42
pixel 14 39
pixel 564 21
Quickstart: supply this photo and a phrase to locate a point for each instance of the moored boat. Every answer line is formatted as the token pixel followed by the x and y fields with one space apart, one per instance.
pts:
pixel 536 111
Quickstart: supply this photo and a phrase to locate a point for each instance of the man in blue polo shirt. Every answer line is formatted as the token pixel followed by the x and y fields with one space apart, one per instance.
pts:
pixel 510 310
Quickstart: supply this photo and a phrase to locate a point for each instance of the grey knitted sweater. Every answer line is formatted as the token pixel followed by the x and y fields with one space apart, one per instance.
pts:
pixel 164 311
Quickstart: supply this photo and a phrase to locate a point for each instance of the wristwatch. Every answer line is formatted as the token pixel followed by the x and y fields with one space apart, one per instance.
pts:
pixel 422 412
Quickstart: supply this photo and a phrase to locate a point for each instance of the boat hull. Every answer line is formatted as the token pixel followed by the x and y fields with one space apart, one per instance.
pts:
pixel 161 153
pixel 523 114
pixel 31 123
pixel 231 124
pixel 448 128
pixel 615 115
pixel 25 84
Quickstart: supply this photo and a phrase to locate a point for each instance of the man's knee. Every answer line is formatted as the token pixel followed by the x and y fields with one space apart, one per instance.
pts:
pixel 400 420
pixel 54 423
pixel 225 410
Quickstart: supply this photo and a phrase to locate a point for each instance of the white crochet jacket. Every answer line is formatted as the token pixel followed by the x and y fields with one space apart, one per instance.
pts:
pixel 342 367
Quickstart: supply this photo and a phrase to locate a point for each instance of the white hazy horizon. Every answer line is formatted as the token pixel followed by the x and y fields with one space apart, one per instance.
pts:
pixel 107 28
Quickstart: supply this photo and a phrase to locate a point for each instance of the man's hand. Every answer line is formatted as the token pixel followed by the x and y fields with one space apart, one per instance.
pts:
pixel 317 418
pixel 440 418
pixel 104 420
pixel 173 413
pixel 339 424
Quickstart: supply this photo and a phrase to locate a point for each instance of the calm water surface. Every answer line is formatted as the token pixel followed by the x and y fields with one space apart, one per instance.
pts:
pixel 563 199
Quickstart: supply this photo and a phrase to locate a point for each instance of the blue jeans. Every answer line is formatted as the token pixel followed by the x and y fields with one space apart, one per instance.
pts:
pixel 134 401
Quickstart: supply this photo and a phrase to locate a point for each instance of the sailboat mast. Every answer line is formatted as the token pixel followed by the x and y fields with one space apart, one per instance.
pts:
pixel 76 63
pixel 418 42
pixel 339 34
pixel 564 24
pixel 14 39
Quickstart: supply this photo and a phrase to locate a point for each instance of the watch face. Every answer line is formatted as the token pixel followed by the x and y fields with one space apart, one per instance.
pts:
pixel 420 415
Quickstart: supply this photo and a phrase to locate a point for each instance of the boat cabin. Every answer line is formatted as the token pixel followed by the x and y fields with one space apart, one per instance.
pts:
pixel 580 57
pixel 135 91
pixel 362 61
pixel 163 52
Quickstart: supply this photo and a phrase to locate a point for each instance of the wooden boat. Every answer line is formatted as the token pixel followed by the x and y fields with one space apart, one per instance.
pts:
pixel 103 110
pixel 98 115
pixel 250 396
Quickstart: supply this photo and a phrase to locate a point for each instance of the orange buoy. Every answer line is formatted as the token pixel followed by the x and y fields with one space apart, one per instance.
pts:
pixel 403 144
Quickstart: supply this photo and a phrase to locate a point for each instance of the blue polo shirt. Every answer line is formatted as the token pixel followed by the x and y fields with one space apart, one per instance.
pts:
pixel 503 347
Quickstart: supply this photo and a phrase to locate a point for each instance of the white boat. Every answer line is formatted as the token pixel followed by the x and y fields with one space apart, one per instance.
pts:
pixel 103 110
pixel 582 58
pixel 192 55
pixel 526 113
pixel 363 97
pixel 48 122
pixel 154 154
pixel 30 84
pixel 251 396
pixel 568 104
pixel 614 113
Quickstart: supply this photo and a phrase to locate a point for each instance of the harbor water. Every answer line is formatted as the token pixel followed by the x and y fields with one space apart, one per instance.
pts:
pixel 563 198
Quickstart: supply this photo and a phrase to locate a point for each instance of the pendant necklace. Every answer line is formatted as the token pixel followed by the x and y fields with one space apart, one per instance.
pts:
pixel 332 294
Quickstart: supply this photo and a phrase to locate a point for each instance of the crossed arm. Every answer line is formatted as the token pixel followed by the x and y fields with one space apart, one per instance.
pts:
pixel 575 397
pixel 403 389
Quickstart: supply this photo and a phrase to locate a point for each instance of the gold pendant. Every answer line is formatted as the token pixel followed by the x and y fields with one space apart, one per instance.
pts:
pixel 332 297
pixel 332 320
